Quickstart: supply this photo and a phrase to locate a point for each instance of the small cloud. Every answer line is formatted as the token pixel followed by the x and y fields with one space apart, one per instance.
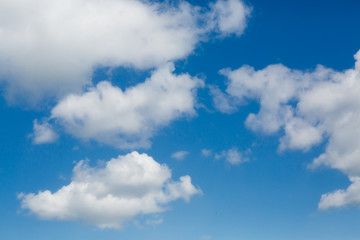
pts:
pixel 233 156
pixel 180 155
pixel 206 152
pixel 43 133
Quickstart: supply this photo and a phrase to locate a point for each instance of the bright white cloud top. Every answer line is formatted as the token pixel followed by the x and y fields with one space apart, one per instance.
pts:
pixel 50 48
pixel 127 119
pixel 310 107
pixel 127 186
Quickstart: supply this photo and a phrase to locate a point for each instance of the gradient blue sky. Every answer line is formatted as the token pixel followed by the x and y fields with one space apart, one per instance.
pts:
pixel 273 195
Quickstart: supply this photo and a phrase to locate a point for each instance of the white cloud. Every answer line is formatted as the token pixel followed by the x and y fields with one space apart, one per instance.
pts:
pixel 309 106
pixel 180 155
pixel 340 198
pixel 300 134
pixel 230 16
pixel 127 186
pixel 43 133
pixel 127 119
pixel 232 156
pixel 50 48
pixel 273 87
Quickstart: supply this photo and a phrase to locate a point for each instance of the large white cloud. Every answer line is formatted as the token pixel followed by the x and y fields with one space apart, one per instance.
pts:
pixel 127 186
pixel 51 47
pixel 309 106
pixel 127 119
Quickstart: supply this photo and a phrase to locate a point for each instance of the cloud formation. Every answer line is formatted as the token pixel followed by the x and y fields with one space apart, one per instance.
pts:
pixel 309 106
pixel 128 119
pixel 50 48
pixel 127 186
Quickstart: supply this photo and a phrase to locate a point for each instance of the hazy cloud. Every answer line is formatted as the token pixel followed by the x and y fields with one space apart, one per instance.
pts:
pixel 180 155
pixel 232 156
pixel 43 133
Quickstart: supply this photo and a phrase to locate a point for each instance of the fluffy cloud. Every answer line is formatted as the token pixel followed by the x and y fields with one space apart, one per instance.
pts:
pixel 230 16
pixel 50 48
pixel 43 133
pixel 309 106
pixel 180 155
pixel 127 119
pixel 127 186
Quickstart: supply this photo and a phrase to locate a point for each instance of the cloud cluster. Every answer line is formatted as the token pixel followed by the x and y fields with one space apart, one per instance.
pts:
pixel 127 119
pixel 309 107
pixel 127 186
pixel 50 48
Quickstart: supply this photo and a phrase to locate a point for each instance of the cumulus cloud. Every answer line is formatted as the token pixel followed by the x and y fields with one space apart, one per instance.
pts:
pixel 180 155
pixel 232 156
pixel 127 119
pixel 127 186
pixel 43 133
pixel 50 48
pixel 309 106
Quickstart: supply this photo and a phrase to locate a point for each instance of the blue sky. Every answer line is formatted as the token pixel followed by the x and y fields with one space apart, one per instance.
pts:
pixel 272 149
